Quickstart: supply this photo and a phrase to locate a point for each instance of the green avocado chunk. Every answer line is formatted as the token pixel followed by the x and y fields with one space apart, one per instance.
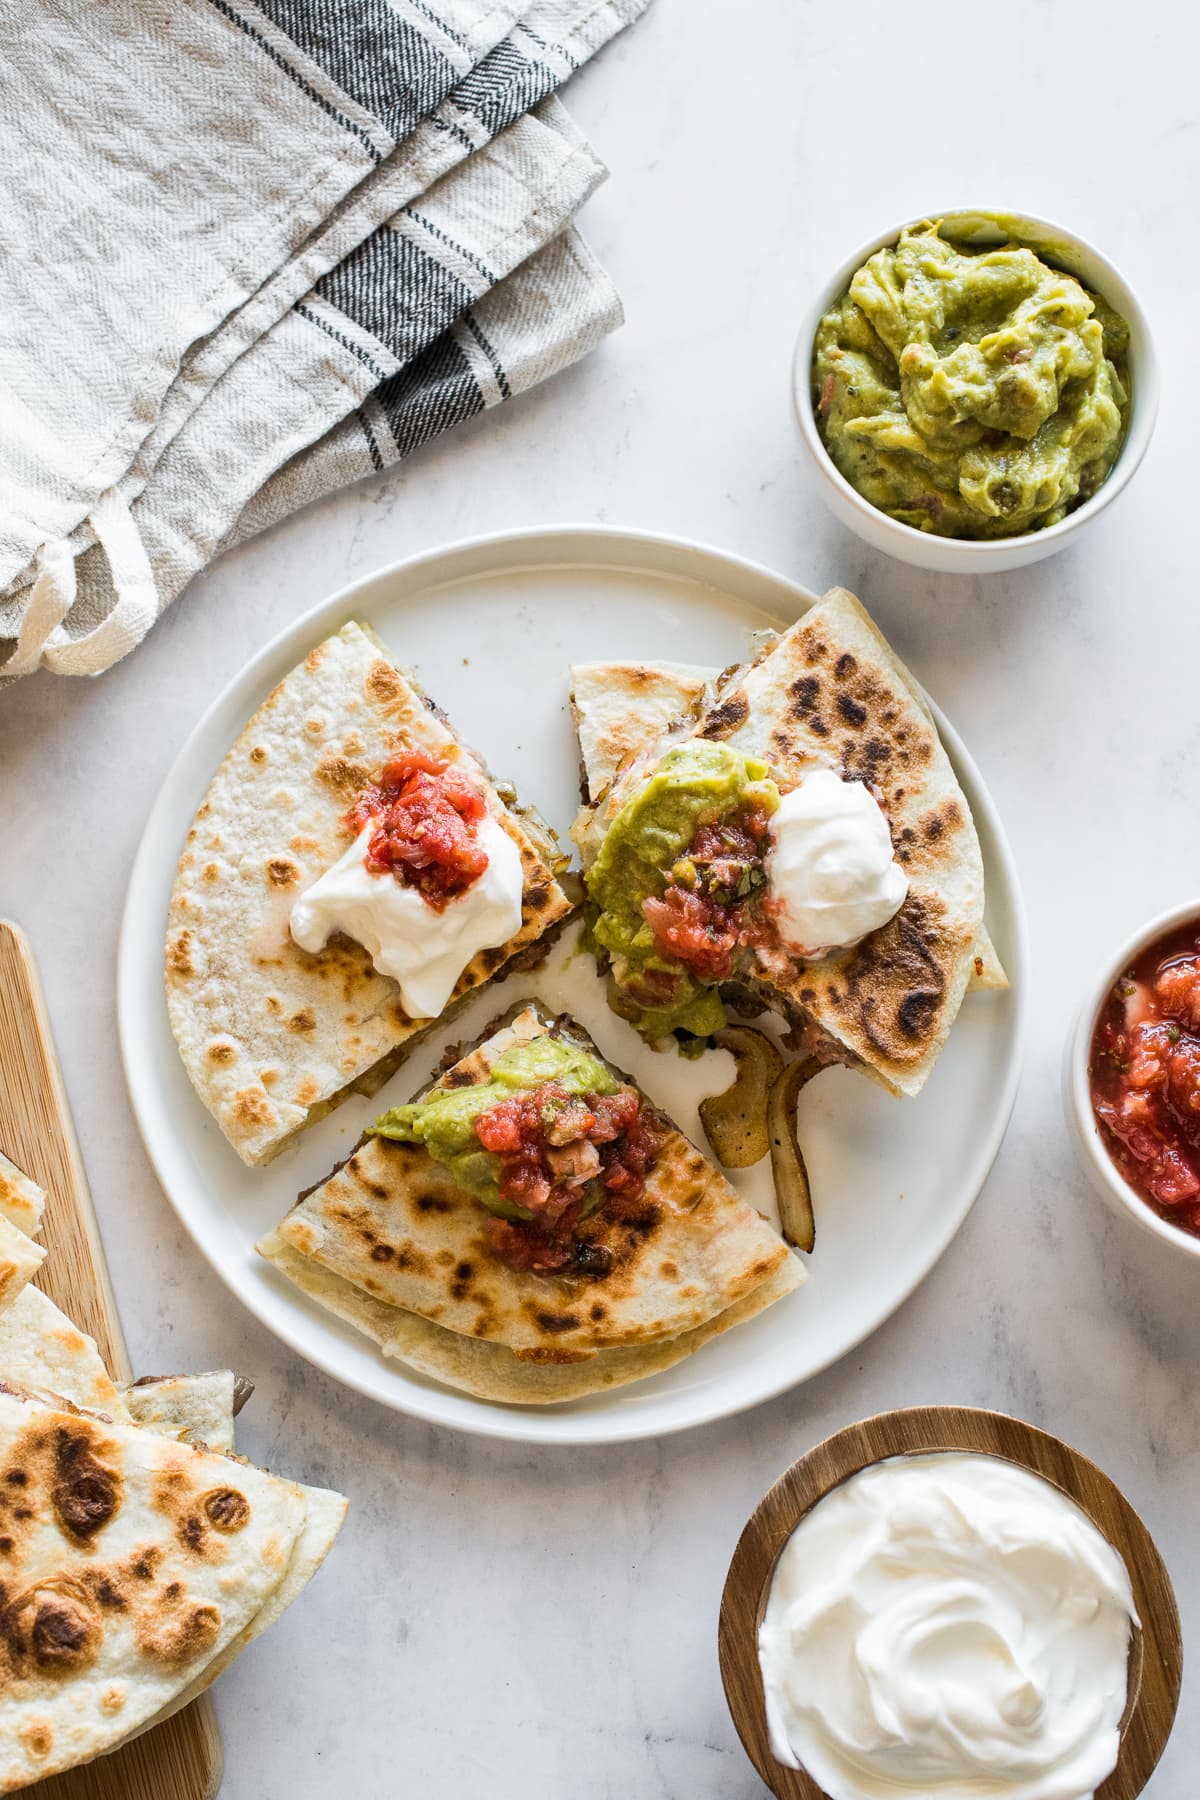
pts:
pixel 975 394
pixel 444 1121
pixel 696 783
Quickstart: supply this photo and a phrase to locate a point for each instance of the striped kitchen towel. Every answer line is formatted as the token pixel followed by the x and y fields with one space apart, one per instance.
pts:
pixel 273 217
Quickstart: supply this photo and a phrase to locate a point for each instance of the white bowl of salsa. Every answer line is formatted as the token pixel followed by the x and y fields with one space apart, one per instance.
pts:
pixel 1133 1079
pixel 980 229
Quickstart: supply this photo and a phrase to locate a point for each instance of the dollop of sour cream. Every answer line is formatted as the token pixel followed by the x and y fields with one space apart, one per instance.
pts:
pixel 830 871
pixel 422 948
pixel 951 1626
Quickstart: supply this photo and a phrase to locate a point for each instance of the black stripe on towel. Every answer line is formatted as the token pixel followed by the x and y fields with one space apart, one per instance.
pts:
pixel 433 393
pixel 339 337
pixel 392 288
pixel 269 49
pixel 476 330
pixel 381 60
pixel 502 87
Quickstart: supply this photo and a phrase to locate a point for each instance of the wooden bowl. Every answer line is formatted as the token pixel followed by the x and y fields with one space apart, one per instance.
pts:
pixel 1155 1651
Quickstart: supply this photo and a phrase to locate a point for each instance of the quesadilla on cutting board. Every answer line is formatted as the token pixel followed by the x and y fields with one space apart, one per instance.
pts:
pixel 351 877
pixel 41 1348
pixel 135 1566
pixel 22 1201
pixel 686 826
pixel 531 1229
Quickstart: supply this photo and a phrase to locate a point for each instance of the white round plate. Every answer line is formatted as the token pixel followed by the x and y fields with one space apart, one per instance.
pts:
pixel 491 626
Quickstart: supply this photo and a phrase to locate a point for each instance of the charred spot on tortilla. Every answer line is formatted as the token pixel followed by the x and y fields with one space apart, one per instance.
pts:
pixel 86 1492
pixel 726 716
pixel 251 1107
pixel 182 1636
pixel 804 692
pixel 457 1078
pixel 226 1509
pixel 384 683
pixel 347 777
pixel 179 957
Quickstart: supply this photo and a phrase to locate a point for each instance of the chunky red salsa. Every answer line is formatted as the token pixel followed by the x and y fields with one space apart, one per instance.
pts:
pixel 710 904
pixel 425 816
pixel 563 1156
pixel 1145 1076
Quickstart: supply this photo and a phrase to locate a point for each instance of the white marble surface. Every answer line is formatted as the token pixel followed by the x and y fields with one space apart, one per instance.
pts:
pixel 517 1623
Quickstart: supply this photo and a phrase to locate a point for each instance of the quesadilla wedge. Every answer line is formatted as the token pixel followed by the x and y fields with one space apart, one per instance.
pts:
pixel 532 1229
pixel 273 1035
pixel 827 696
pixel 623 711
pixel 41 1348
pixel 22 1201
pixel 135 1563
pixel 20 1260
pixel 324 1515
pixel 193 1409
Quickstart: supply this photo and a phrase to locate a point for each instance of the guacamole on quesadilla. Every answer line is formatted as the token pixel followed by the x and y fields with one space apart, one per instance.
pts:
pixel 829 697
pixel 602 1257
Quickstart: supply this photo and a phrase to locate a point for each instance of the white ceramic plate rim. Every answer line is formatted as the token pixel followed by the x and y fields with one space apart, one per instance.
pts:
pixel 592 546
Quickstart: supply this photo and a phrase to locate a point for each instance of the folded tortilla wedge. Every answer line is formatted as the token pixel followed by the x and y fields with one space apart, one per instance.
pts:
pixel 135 1567
pixel 391 1244
pixel 22 1201
pixel 829 693
pixel 272 1036
pixel 41 1348
pixel 20 1260
pixel 623 711
pixel 193 1409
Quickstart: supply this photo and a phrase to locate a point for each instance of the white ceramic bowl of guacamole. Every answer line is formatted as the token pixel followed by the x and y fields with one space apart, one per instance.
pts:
pixel 929 547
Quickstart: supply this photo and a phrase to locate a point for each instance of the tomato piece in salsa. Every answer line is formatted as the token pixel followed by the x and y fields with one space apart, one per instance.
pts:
pixel 563 1156
pixel 425 816
pixel 709 906
pixel 1144 1072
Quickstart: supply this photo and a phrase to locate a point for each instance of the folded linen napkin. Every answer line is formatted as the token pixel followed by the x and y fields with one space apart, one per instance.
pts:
pixel 374 347
pixel 184 432
pixel 160 164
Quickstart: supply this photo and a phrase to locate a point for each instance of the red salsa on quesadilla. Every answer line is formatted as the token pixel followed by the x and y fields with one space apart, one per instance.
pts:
pixel 1144 1073
pixel 678 884
pixel 424 815
pixel 710 902
pixel 543 1141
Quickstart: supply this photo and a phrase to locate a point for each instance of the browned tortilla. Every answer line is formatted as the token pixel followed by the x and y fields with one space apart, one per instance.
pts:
pixel 271 1035
pixel 831 693
pixel 393 1224
pixel 131 1565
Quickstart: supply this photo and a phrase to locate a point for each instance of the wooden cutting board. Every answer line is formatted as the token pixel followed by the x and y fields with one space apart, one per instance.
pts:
pixel 181 1759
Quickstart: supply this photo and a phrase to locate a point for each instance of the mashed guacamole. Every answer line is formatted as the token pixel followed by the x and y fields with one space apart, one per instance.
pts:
pixel 975 394
pixel 445 1120
pixel 644 850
